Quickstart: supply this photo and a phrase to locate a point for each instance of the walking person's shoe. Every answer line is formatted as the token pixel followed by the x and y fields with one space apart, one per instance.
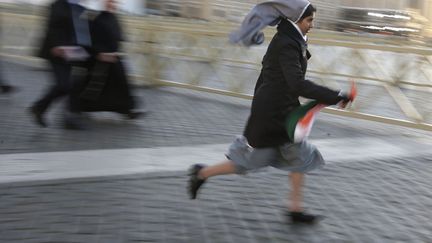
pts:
pixel 73 121
pixel 71 125
pixel 194 181
pixel 134 114
pixel 303 218
pixel 38 116
pixel 6 89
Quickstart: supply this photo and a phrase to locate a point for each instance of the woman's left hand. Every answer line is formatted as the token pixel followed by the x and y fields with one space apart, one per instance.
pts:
pixel 107 57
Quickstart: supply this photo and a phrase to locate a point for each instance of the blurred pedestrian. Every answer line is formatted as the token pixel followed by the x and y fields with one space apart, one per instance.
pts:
pixel 65 45
pixel 265 141
pixel 107 87
pixel 5 88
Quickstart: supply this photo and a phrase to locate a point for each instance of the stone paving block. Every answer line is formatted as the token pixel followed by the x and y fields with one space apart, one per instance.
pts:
pixel 109 239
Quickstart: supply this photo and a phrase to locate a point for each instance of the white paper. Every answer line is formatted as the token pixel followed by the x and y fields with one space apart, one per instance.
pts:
pixel 75 53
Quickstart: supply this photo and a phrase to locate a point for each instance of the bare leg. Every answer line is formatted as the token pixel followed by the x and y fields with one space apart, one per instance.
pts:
pixel 296 195
pixel 223 168
pixel 200 173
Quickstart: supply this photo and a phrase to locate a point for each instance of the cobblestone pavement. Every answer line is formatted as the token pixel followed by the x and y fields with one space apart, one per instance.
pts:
pixel 372 201
pixel 369 200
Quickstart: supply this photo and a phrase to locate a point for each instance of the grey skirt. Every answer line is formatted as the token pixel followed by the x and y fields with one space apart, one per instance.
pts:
pixel 298 157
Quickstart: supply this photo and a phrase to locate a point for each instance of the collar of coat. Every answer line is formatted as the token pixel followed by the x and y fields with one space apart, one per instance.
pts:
pixel 287 28
pixel 290 30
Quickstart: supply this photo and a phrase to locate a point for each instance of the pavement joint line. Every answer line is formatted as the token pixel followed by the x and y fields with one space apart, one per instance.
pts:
pixel 95 179
pixel 117 162
pixel 169 174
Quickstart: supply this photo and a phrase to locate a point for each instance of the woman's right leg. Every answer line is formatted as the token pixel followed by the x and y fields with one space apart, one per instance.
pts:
pixel 200 173
pixel 245 157
pixel 223 168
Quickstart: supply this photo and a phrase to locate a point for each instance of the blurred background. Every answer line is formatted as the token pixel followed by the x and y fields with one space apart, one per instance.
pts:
pixel 407 18
pixel 385 45
pixel 123 180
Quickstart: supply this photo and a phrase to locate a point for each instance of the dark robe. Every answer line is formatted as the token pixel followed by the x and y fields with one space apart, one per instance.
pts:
pixel 281 82
pixel 59 30
pixel 106 87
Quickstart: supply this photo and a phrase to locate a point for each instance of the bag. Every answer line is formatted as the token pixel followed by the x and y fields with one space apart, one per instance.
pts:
pixel 97 81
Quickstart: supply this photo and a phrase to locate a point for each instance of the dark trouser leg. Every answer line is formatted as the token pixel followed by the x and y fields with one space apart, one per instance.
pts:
pixel 4 87
pixel 72 118
pixel 61 87
pixel 78 84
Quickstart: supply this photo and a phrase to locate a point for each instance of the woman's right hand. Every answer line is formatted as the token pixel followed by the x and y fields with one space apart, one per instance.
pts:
pixel 58 52
pixel 347 98
pixel 107 57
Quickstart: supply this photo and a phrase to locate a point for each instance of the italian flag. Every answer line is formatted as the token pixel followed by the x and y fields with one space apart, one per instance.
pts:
pixel 299 121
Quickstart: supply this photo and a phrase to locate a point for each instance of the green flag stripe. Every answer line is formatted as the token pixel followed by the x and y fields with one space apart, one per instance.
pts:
pixel 295 115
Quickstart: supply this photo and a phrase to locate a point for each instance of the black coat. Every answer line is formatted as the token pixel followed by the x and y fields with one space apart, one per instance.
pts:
pixel 106 33
pixel 110 79
pixel 59 30
pixel 281 82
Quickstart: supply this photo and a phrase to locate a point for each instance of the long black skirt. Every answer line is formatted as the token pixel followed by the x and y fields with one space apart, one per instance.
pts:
pixel 105 88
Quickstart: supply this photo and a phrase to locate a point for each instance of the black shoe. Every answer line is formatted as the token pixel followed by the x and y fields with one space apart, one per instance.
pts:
pixel 194 181
pixel 72 121
pixel 303 218
pixel 73 126
pixel 6 89
pixel 136 114
pixel 38 116
pixel 131 115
